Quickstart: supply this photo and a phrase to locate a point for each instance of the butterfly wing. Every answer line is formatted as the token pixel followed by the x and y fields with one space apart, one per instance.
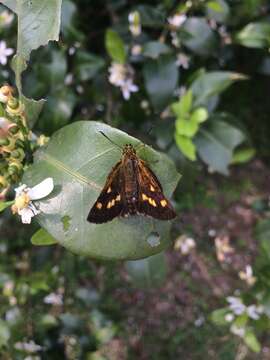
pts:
pixel 110 201
pixel 152 201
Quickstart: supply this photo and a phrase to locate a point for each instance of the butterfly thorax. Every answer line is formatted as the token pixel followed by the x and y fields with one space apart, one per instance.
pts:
pixel 130 168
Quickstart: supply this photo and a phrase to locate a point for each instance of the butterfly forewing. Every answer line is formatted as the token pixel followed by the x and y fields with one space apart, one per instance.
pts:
pixel 152 201
pixel 109 203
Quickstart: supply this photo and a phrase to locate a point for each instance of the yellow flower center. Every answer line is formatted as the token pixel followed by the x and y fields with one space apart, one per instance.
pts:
pixel 22 201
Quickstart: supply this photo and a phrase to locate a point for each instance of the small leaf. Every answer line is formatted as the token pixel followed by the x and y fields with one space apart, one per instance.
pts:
pixel 251 341
pixel 254 35
pixel 209 84
pixel 79 168
pixel 199 115
pixel 186 146
pixel 218 10
pixel 218 317
pixel 215 143
pixel 4 333
pixel 182 108
pixel 115 46
pixel 243 155
pixel 186 127
pixel 147 273
pixel 42 238
pixel 5 204
pixel 161 78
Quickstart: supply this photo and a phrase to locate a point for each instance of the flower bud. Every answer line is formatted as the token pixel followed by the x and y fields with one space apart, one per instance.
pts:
pixel 14 167
pixel 14 107
pixel 5 93
pixel 4 142
pixel 18 154
pixel 13 129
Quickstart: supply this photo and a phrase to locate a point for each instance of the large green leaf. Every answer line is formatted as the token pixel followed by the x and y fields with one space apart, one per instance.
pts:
pixel 79 158
pixel 161 77
pixel 215 143
pixel 38 23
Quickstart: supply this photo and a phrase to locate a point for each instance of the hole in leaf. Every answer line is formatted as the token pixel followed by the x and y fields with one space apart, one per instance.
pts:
pixel 153 239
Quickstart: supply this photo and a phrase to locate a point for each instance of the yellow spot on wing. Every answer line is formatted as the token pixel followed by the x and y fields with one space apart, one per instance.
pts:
pixel 152 188
pixel 109 190
pixel 109 205
pixel 118 198
pixel 163 203
pixel 99 205
pixel 144 197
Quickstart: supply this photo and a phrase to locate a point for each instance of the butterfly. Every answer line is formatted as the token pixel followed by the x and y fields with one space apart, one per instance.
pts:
pixel 131 188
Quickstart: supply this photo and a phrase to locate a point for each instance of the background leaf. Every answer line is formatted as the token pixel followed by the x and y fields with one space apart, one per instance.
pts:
pixel 161 78
pixel 79 171
pixel 254 35
pixel 42 238
pixel 115 46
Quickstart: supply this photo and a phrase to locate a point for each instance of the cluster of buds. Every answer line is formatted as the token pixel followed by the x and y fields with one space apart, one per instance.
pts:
pixel 14 135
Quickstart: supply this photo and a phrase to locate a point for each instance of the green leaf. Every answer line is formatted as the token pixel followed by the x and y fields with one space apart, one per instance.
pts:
pixel 42 238
pixel 218 317
pixel 5 204
pixel 243 155
pixel 115 46
pixel 254 35
pixel 215 143
pixel 198 36
pixel 79 168
pixel 218 10
pixel 153 49
pixel 161 78
pixel 37 25
pixel 186 127
pixel 4 333
pixel 147 273
pixel 251 341
pixel 199 115
pixel 151 16
pixel 186 146
pixel 212 83
pixel 87 65
pixel 182 108
pixel 262 232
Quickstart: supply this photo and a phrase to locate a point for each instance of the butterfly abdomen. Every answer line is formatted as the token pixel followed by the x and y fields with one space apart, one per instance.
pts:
pixel 131 186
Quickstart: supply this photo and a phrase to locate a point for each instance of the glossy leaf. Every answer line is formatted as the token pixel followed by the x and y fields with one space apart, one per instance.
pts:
pixel 212 83
pixel 115 46
pixel 148 273
pixel 79 158
pixel 161 78
pixel 254 35
pixel 215 143
pixel 198 36
pixel 42 238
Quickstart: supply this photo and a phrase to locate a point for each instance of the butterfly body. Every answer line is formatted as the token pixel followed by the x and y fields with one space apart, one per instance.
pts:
pixel 131 188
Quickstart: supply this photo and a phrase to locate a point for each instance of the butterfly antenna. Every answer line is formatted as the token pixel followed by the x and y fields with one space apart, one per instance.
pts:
pixel 102 133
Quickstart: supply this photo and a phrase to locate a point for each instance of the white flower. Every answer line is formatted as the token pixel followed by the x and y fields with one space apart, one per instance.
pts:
pixel 212 232
pixel 183 60
pixel 54 299
pixel 136 50
pixel 177 20
pixel 247 275
pixel 184 244
pixel 229 317
pixel 30 347
pixel 134 23
pixel 239 331
pixel 128 87
pixel 175 39
pixel 6 18
pixel 25 196
pixel 122 76
pixel 254 312
pixel 236 305
pixel 4 52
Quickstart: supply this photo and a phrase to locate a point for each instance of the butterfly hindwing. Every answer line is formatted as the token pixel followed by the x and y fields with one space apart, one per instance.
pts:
pixel 109 203
pixel 152 201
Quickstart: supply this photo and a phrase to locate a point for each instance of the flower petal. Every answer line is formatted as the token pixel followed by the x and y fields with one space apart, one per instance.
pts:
pixel 41 190
pixel 26 215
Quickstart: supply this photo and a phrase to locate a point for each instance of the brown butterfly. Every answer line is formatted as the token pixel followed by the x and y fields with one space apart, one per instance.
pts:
pixel 131 188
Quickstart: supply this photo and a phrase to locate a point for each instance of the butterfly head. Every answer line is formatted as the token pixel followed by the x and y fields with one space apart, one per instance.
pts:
pixel 129 150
